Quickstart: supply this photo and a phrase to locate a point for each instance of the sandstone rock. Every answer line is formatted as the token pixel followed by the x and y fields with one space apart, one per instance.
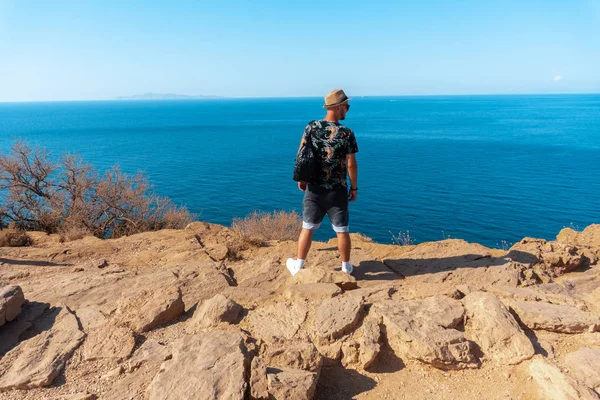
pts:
pixel 554 318
pixel 10 333
pixel 373 294
pixel 113 373
pixel 590 237
pixel 214 311
pixel 548 258
pixel 218 251
pixel 554 384
pixel 444 311
pixel 208 365
pixel 422 330
pixel 320 275
pixel 76 396
pixel 295 355
pixel 312 291
pixel 259 384
pixel 337 316
pixel 537 293
pixel 91 317
pixel 369 343
pixel 331 352
pixel 491 325
pixel 11 300
pixel 109 342
pixel 279 321
pixel 99 263
pixel 151 351
pixel 350 353
pixel 585 365
pixel 37 361
pixel 449 255
pixel 149 309
pixel 291 384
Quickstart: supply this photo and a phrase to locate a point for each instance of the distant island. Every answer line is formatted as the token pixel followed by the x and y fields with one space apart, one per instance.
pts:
pixel 165 96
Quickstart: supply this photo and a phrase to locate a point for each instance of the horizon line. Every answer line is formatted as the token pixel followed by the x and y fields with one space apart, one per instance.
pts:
pixel 216 98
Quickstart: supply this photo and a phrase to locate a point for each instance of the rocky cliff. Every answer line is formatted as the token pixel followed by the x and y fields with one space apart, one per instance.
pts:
pixel 186 314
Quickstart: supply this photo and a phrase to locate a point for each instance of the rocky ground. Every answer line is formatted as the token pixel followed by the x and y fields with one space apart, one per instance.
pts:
pixel 187 314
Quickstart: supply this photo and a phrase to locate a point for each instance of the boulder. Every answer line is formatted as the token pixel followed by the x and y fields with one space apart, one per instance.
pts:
pixel 214 311
pixel 11 300
pixel 218 252
pixel 109 342
pixel 10 333
pixel 291 383
pixel 151 351
pixel 551 259
pixel 589 237
pixel 369 343
pixel 259 384
pixel 446 255
pixel 423 330
pixel 37 361
pixel 554 318
pixel 91 317
pixel 148 309
pixel 321 275
pixel 279 321
pixel 337 316
pixel 585 365
pixel 554 384
pixel 76 396
pixel 495 330
pixel 208 365
pixel 350 353
pixel 295 355
pixel 312 291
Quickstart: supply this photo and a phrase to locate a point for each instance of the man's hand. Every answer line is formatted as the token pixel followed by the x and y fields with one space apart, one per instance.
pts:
pixel 302 186
pixel 352 194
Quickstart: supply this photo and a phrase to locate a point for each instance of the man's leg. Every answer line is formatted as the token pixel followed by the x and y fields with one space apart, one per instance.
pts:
pixel 304 243
pixel 312 215
pixel 344 245
pixel 338 215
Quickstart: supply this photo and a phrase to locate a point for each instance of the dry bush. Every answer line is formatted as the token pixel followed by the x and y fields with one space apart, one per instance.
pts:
pixel 14 237
pixel 259 227
pixel 73 232
pixel 403 239
pixel 73 199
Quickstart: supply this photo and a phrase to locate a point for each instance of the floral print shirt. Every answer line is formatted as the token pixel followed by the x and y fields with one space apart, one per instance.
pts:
pixel 332 142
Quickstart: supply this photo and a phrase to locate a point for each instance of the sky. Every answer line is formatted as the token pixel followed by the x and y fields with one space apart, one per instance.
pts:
pixel 85 50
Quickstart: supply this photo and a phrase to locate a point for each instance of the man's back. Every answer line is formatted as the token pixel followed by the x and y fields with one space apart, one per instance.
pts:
pixel 332 142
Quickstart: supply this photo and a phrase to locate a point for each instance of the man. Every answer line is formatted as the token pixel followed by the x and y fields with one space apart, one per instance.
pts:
pixel 335 146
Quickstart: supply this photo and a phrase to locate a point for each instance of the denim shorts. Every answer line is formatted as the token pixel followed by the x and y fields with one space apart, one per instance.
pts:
pixel 319 201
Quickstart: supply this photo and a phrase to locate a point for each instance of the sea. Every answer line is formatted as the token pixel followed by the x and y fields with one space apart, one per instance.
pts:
pixel 486 169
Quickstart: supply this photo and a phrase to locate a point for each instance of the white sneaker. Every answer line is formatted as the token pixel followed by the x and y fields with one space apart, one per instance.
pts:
pixel 292 266
pixel 348 270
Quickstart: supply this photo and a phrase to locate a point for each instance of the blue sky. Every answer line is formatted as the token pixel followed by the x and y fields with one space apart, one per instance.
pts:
pixel 79 50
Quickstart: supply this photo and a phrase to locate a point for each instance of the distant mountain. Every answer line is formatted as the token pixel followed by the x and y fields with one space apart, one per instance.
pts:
pixel 164 96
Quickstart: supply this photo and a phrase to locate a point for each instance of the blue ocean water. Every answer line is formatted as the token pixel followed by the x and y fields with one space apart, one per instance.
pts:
pixel 482 168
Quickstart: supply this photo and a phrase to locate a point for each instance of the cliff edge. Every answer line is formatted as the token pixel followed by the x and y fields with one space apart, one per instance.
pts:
pixel 179 314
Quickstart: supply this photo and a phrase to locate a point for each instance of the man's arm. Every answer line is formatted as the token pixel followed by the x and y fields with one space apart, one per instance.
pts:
pixel 353 175
pixel 303 185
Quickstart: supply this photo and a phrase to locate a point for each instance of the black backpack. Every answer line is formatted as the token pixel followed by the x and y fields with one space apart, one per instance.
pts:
pixel 308 163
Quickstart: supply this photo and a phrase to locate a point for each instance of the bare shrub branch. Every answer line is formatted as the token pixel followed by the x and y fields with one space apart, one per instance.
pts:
pixel 73 199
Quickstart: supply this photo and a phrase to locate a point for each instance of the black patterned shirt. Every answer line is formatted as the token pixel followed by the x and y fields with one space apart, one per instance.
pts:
pixel 332 142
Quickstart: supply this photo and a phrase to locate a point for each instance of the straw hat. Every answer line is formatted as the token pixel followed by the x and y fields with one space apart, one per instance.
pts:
pixel 335 98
